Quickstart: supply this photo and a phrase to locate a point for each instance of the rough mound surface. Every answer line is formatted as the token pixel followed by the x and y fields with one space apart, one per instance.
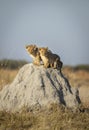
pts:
pixel 37 86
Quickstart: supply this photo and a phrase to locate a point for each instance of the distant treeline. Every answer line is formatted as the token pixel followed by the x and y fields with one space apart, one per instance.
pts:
pixel 16 64
pixel 78 67
pixel 81 67
pixel 12 64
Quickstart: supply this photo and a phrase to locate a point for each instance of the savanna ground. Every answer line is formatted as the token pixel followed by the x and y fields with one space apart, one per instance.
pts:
pixel 55 117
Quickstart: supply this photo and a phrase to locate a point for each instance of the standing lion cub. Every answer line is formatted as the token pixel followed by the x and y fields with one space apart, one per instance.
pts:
pixel 45 56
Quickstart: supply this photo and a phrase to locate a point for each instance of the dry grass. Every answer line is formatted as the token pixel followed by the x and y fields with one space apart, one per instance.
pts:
pixel 6 76
pixel 77 78
pixel 54 118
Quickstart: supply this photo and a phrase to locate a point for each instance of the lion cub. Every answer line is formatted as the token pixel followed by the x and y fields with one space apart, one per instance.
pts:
pixel 49 59
pixel 34 53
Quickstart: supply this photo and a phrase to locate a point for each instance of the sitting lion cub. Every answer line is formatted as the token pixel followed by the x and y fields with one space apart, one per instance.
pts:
pixel 34 53
pixel 49 59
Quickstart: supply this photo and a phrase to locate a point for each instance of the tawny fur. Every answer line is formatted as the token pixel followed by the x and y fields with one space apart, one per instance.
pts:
pixel 45 56
pixel 49 59
pixel 34 53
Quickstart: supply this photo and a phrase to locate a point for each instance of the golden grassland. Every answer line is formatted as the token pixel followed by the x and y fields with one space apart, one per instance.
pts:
pixel 7 76
pixel 77 78
pixel 54 118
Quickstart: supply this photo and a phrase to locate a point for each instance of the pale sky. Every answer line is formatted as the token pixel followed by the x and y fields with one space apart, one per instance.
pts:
pixel 62 25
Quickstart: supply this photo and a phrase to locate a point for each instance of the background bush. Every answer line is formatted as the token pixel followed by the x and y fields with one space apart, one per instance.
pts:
pixel 12 64
pixel 81 67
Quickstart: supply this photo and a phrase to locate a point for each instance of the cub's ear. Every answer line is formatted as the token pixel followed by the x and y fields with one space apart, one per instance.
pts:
pixel 39 49
pixel 26 46
pixel 46 48
pixel 35 47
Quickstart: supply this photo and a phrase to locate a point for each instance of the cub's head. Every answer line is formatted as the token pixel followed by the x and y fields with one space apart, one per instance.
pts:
pixel 32 49
pixel 43 50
